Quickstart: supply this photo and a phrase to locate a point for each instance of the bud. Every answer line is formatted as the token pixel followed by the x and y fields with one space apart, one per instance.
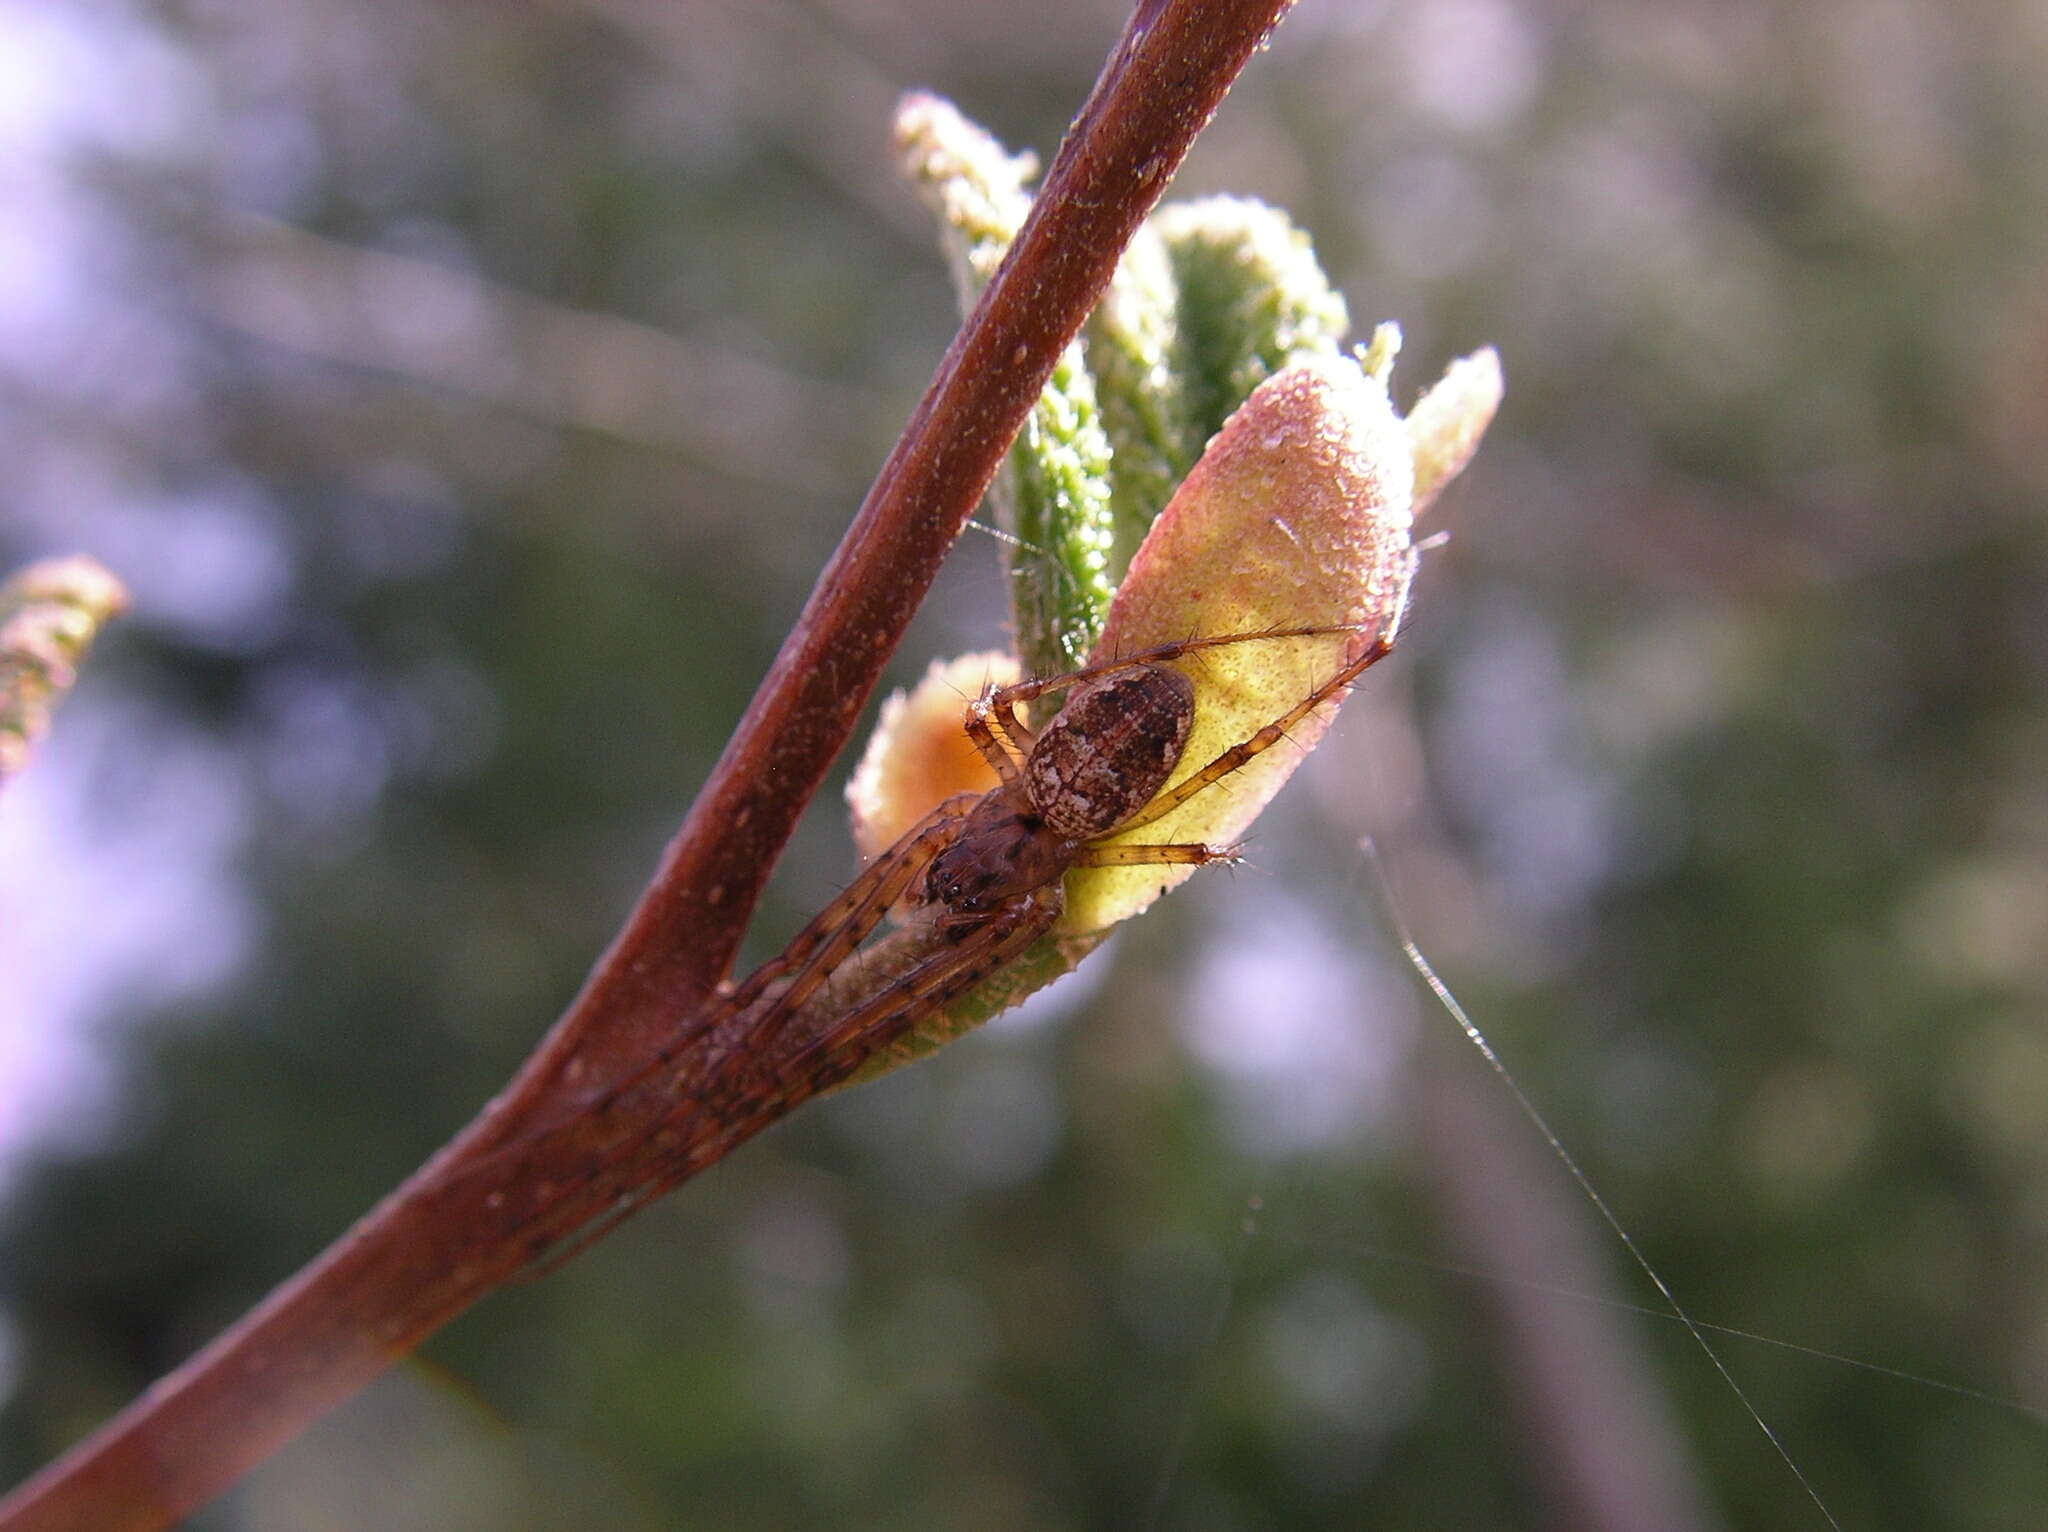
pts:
pixel 49 613
pixel 1445 426
pixel 1296 516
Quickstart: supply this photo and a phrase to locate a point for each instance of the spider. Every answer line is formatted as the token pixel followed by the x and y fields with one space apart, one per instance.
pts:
pixel 985 873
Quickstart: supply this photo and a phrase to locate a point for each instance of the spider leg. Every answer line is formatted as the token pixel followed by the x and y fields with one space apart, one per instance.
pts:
pixel 856 910
pixel 895 1010
pixel 1153 853
pixel 836 930
pixel 998 734
pixel 1004 739
pixel 822 946
pixel 704 1128
pixel 1231 759
pixel 1005 699
pixel 815 951
pixel 812 956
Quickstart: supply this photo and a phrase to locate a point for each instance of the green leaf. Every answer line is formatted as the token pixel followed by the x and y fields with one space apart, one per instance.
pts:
pixel 1252 300
pixel 1132 343
pixel 1053 496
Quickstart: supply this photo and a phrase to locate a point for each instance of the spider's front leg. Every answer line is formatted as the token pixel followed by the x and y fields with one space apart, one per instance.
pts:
pixel 1237 755
pixel 998 733
pixel 1156 854
pixel 809 960
pixel 1005 700
pixel 741 1085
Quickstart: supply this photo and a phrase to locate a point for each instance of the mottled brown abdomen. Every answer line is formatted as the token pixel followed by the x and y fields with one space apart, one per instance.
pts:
pixel 1110 750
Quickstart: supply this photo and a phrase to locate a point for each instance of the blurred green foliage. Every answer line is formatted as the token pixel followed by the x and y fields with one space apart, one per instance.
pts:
pixel 470 396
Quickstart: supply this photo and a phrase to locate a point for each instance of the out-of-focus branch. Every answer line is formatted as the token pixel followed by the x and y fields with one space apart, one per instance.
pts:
pixel 1597 1436
pixel 49 613
pixel 451 1233
pixel 452 330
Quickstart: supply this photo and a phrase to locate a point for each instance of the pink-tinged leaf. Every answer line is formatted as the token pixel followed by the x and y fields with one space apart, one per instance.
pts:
pixel 1298 514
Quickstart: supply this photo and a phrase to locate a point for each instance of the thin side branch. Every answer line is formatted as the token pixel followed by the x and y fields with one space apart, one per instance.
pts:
pixel 456 1230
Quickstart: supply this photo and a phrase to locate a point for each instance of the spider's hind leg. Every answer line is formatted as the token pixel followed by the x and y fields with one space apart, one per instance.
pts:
pixel 1237 755
pixel 1155 854
pixel 699 1131
pixel 847 921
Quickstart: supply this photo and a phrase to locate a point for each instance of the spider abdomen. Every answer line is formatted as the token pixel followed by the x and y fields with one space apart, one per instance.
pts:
pixel 1110 749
